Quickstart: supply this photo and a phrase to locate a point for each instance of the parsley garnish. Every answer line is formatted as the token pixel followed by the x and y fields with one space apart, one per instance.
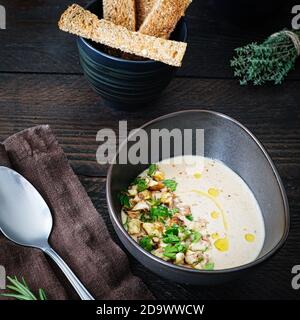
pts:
pixel 171 235
pixel 146 218
pixel 159 212
pixel 209 266
pixel 189 217
pixel 196 236
pixel 141 184
pixel 170 184
pixel 173 211
pixel 152 169
pixel 146 243
pixel 171 250
pixel 124 200
pixel 154 202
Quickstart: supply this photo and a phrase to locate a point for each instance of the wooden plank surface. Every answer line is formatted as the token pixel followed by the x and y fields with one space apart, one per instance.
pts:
pixel 32 35
pixel 76 113
pixel 41 82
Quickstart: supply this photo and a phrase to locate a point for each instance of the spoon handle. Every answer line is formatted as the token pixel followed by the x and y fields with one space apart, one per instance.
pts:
pixel 76 283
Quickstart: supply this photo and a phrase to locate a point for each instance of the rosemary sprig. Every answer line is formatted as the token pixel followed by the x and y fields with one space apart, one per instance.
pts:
pixel 269 61
pixel 21 291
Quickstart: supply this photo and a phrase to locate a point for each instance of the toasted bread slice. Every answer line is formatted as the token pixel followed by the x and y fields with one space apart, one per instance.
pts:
pixel 163 17
pixel 120 12
pixel 83 23
pixel 123 13
pixel 143 7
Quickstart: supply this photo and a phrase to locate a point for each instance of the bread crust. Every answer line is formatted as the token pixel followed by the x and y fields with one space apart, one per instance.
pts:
pixel 163 17
pixel 120 12
pixel 143 7
pixel 81 22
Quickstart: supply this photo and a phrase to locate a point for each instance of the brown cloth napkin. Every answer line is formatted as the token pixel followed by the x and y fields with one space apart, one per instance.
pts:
pixel 79 233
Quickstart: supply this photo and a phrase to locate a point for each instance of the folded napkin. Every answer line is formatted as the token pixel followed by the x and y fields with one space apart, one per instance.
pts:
pixel 79 233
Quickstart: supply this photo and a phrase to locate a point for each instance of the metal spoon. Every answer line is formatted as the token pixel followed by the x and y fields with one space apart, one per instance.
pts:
pixel 26 220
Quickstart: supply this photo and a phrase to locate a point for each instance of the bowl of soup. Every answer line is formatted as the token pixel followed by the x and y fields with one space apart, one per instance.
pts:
pixel 206 210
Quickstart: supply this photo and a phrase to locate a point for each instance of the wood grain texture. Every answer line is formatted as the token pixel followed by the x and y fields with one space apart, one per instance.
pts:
pixel 32 35
pixel 41 83
pixel 76 114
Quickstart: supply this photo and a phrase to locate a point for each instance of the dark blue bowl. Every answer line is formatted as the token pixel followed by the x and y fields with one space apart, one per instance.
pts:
pixel 120 82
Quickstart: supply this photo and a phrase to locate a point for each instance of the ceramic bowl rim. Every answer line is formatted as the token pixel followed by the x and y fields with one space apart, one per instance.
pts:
pixel 121 60
pixel 113 215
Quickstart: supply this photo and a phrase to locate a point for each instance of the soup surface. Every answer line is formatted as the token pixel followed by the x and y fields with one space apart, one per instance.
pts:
pixel 195 212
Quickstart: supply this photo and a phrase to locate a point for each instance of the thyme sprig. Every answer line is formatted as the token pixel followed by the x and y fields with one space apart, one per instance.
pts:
pixel 21 291
pixel 269 61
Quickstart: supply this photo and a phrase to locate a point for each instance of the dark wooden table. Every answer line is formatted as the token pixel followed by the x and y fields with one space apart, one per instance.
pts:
pixel 41 82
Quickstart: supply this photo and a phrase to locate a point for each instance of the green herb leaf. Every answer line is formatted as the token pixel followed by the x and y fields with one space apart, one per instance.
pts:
pixel 21 291
pixel 16 296
pixel 141 184
pixel 190 217
pixel 42 294
pixel 269 61
pixel 154 202
pixel 124 200
pixel 173 211
pixel 209 266
pixel 196 236
pixel 186 232
pixel 170 184
pixel 152 169
pixel 171 239
pixel 171 250
pixel 173 230
pixel 21 288
pixel 159 212
pixel 24 283
pixel 146 218
pixel 170 255
pixel 146 243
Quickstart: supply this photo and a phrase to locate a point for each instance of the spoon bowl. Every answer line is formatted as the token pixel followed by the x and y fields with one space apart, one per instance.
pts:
pixel 26 220
pixel 24 215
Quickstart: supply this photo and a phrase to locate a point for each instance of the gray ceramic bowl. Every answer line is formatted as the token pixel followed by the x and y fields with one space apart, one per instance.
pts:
pixel 125 83
pixel 229 141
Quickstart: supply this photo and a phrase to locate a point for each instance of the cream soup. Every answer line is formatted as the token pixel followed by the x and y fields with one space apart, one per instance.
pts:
pixel 217 194
pixel 194 212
